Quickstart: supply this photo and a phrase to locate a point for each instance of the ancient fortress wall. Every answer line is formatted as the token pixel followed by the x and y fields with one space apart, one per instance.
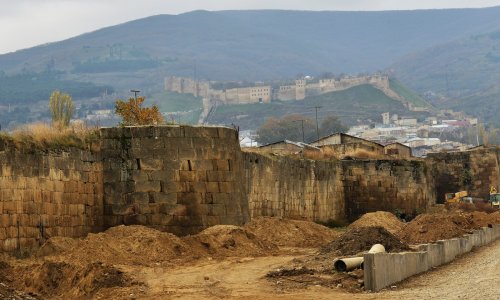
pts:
pixel 183 179
pixel 178 179
pixel 390 185
pixel 323 191
pixel 473 171
pixel 288 188
pixel 45 194
pixel 300 90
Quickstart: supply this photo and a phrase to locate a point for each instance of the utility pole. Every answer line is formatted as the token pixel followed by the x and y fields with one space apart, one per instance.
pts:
pixel 135 93
pixel 317 126
pixel 302 121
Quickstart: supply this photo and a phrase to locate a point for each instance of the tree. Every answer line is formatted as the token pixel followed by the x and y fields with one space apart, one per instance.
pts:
pixel 330 125
pixel 61 108
pixel 286 128
pixel 290 128
pixel 133 113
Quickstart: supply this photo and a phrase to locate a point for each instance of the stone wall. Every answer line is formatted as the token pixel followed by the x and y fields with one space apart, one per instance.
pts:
pixel 182 179
pixel 474 171
pixel 45 194
pixel 322 191
pixel 388 185
pixel 178 179
pixel 289 188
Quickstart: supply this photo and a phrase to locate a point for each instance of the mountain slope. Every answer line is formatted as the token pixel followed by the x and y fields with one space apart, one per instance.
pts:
pixel 456 69
pixel 256 45
pixel 360 103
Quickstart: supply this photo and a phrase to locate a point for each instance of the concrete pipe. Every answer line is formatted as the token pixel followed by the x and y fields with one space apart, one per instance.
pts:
pixel 377 248
pixel 348 264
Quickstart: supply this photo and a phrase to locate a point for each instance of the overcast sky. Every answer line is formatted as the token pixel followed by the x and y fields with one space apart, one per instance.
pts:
pixel 26 23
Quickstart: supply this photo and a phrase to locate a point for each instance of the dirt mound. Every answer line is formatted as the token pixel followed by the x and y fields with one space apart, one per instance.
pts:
pixel 361 239
pixel 228 240
pixel 56 245
pixel 56 279
pixel 291 233
pixel 135 245
pixel 427 228
pixel 482 219
pixel 380 219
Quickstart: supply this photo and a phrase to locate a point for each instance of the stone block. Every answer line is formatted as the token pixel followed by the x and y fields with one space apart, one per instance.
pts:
pixel 226 187
pixel 150 164
pixel 147 186
pixel 165 198
pixel 189 198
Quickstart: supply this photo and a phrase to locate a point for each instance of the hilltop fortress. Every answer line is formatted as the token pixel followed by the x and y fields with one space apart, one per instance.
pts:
pixel 260 93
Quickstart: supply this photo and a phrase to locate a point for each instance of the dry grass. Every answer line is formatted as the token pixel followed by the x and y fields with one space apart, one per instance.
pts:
pixel 43 136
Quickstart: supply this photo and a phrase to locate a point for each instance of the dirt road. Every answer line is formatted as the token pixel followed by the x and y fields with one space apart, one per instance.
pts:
pixel 474 276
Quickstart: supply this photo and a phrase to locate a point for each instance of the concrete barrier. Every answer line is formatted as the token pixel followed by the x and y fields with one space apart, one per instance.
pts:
pixel 384 269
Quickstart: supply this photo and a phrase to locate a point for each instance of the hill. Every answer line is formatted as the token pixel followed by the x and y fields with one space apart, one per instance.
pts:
pixel 463 75
pixel 358 104
pixel 454 69
pixel 247 45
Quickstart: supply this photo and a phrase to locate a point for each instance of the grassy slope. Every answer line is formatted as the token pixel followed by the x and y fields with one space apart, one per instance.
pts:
pixel 186 107
pixel 357 104
pixel 407 93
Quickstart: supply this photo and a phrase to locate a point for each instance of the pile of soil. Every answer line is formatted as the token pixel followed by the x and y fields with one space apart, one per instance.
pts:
pixel 228 240
pixel 60 279
pixel 361 239
pixel 482 219
pixel 131 245
pixel 56 245
pixel 291 233
pixel 380 219
pixel 427 228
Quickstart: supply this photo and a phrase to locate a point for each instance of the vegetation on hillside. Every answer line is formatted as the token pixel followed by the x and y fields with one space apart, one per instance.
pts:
pixel 31 87
pixel 360 104
pixel 297 128
pixel 407 93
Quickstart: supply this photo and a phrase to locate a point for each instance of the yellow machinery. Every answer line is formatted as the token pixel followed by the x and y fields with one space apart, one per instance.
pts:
pixel 456 197
pixel 494 197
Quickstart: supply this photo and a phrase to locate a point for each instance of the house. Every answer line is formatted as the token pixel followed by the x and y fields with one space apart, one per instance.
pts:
pixel 345 139
pixel 287 147
pixel 398 150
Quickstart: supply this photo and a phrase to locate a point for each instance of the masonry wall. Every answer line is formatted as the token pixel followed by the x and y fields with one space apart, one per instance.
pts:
pixel 473 171
pixel 178 179
pixel 288 188
pixel 182 179
pixel 388 185
pixel 321 190
pixel 46 194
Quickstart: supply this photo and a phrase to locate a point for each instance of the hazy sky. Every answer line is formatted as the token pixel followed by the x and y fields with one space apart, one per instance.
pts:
pixel 26 23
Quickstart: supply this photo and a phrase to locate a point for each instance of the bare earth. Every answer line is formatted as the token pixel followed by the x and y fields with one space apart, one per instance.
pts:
pixel 474 276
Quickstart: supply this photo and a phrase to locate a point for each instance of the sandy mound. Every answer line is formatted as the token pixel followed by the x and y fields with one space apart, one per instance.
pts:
pixel 427 228
pixel 380 219
pixel 482 219
pixel 228 240
pixel 56 245
pixel 361 239
pixel 52 279
pixel 136 245
pixel 291 233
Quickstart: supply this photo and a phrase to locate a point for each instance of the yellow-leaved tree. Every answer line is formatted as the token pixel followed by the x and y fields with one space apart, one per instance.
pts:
pixel 61 108
pixel 133 113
